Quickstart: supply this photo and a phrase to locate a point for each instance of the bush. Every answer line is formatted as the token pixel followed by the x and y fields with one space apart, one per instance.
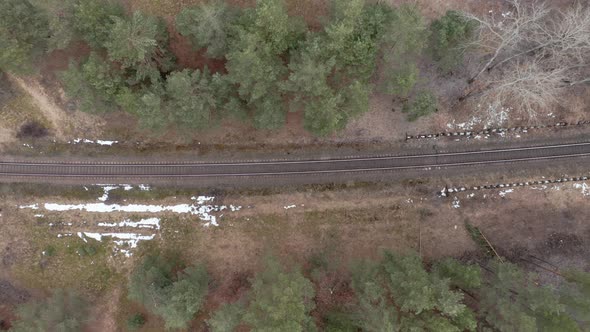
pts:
pixel 87 249
pixel 423 104
pixel 63 311
pixel 174 297
pixel 135 322
pixel 449 36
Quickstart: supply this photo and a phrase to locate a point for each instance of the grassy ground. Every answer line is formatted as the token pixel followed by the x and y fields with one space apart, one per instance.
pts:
pixel 54 263
pixel 20 109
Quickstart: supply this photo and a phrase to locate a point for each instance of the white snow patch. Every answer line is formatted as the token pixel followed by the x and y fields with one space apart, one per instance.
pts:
pixel 153 223
pixel 202 199
pixel 126 240
pixel 32 207
pixel 503 193
pixel 456 203
pixel 98 141
pixel 109 187
pixel 585 188
pixel 203 212
pixel 287 207
pixel 39 215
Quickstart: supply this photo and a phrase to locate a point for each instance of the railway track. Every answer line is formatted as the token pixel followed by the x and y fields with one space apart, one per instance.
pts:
pixel 53 169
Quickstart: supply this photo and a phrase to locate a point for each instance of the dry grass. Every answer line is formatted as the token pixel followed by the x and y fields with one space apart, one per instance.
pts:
pixel 19 110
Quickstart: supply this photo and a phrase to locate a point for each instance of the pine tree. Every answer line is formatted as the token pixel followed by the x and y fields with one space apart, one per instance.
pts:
pixel 208 26
pixel 138 44
pixel 94 19
pixel 176 298
pixel 63 311
pixel 24 32
pixel 280 301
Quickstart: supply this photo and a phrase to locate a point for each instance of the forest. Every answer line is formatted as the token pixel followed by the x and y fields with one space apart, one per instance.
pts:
pixel 398 293
pixel 273 63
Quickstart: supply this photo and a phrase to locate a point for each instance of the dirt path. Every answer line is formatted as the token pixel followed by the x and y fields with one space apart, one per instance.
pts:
pixel 50 110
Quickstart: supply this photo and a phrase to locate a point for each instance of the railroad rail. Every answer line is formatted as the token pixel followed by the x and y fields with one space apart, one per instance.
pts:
pixel 189 169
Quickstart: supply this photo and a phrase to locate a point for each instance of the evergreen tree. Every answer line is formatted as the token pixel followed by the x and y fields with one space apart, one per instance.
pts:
pixel 192 98
pixel 575 295
pixel 449 36
pixel 404 40
pixel 176 298
pixel 513 302
pixel 94 19
pixel 462 276
pixel 227 317
pixel 138 44
pixel 208 26
pixel 280 301
pixel 400 295
pixel 422 104
pixel 64 311
pixel 24 32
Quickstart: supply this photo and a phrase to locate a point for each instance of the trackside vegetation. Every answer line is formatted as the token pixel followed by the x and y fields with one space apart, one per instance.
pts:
pixel 274 63
pixel 396 293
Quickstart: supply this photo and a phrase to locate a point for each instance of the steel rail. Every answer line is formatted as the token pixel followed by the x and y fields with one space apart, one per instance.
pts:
pixel 292 162
pixel 375 169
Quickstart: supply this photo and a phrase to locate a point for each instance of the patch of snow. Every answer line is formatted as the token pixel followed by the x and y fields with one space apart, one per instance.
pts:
pixel 203 212
pixel 503 193
pixel 32 207
pixel 144 187
pixel 39 215
pixel 585 188
pixel 28 146
pixel 127 240
pixel 287 207
pixel 543 187
pixel 456 203
pixel 87 141
pixel 202 199
pixel 153 223
pixel 471 195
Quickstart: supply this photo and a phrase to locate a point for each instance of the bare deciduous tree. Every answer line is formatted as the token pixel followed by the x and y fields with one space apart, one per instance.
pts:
pixel 527 87
pixel 531 54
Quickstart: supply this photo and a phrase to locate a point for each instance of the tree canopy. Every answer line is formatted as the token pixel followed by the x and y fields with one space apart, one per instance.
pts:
pixel 280 301
pixel 24 32
pixel 174 297
pixel 63 311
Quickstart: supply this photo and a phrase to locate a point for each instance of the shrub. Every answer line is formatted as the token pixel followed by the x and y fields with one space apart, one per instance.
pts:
pixel 449 36
pixel 423 104
pixel 135 322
